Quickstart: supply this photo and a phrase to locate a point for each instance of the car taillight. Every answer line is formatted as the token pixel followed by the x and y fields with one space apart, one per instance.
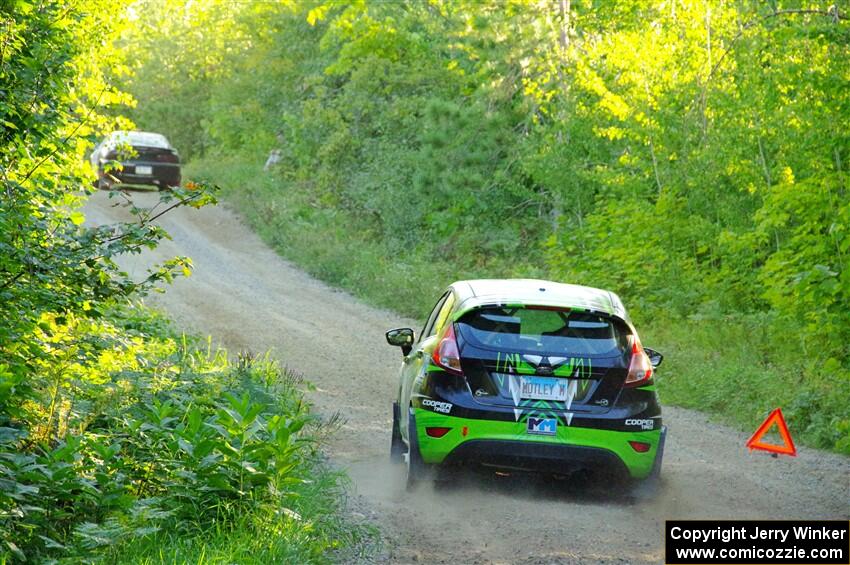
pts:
pixel 169 157
pixel 437 432
pixel 640 446
pixel 640 368
pixel 446 354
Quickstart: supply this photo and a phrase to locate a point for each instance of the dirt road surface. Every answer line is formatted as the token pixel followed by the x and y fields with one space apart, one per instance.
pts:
pixel 248 298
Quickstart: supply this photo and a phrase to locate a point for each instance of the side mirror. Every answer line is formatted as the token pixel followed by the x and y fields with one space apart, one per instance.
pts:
pixel 655 358
pixel 401 337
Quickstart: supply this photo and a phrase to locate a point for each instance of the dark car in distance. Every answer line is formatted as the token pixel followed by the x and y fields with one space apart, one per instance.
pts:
pixel 135 158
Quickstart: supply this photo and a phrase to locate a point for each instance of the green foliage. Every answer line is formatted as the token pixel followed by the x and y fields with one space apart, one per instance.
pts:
pixel 110 434
pixel 180 445
pixel 285 533
pixel 692 157
pixel 57 276
pixel 742 367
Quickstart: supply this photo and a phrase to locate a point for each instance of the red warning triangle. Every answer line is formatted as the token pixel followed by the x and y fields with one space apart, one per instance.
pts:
pixel 788 444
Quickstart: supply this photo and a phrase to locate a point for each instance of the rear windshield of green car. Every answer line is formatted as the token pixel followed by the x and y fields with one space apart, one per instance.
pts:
pixel 544 331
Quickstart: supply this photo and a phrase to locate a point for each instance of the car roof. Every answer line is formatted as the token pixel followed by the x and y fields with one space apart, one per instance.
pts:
pixel 536 292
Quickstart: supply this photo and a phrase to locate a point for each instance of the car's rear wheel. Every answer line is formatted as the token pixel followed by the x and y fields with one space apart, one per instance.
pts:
pixel 413 458
pixel 396 443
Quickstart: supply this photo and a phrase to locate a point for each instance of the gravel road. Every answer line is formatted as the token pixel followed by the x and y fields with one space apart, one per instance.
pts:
pixel 248 298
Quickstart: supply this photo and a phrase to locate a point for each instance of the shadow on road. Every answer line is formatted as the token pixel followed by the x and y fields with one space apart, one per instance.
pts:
pixel 578 488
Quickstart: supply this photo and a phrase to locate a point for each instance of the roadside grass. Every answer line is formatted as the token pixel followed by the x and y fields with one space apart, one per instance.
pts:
pixel 737 368
pixel 742 368
pixel 167 450
pixel 306 528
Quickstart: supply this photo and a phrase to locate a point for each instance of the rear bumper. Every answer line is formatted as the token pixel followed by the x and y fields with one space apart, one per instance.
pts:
pixel 535 457
pixel 472 442
pixel 162 174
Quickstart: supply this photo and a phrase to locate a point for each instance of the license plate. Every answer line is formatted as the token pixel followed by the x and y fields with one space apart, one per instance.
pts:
pixel 144 170
pixel 543 388
pixel 542 426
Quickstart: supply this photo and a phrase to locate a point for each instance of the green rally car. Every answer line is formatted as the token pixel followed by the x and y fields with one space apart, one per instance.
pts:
pixel 527 375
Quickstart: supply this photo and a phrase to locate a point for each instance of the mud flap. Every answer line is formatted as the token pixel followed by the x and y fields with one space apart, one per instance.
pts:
pixel 396 443
pixel 655 474
pixel 648 488
pixel 416 470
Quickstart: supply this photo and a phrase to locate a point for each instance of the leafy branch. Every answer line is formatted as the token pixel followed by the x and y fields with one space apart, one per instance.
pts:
pixel 832 12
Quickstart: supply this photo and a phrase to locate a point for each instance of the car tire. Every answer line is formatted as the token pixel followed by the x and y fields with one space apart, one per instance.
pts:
pixel 396 442
pixel 413 457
